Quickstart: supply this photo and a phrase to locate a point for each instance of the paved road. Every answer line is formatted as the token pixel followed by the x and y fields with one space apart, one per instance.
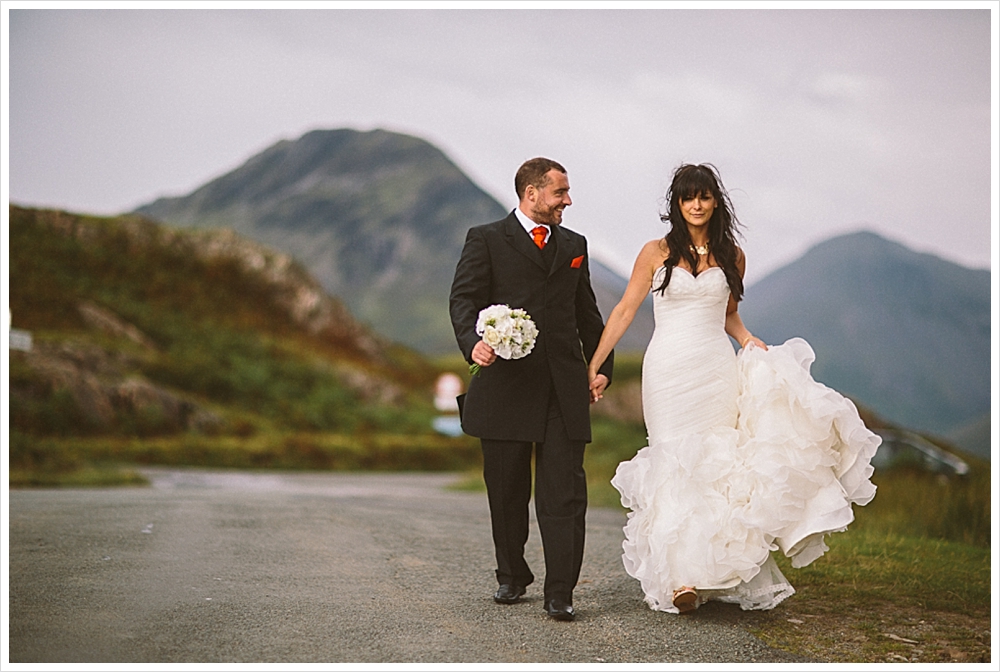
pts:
pixel 209 566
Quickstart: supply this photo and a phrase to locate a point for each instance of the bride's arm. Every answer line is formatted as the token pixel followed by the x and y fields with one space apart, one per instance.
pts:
pixel 621 317
pixel 734 323
pixel 736 329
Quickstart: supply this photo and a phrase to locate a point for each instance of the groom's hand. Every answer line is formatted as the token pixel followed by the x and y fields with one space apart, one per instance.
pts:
pixel 597 386
pixel 482 354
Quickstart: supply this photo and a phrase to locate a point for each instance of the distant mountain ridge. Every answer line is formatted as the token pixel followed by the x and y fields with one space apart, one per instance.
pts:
pixel 379 218
pixel 905 333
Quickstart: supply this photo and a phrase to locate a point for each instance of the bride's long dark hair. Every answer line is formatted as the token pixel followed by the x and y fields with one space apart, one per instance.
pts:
pixel 690 181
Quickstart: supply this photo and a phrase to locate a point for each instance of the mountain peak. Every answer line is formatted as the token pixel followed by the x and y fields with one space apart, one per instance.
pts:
pixel 378 217
pixel 317 163
pixel 861 242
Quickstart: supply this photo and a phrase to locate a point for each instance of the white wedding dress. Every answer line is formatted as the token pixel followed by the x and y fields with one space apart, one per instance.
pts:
pixel 747 455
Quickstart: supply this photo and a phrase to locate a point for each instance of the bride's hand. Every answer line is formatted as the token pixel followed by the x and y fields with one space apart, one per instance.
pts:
pixel 597 385
pixel 756 341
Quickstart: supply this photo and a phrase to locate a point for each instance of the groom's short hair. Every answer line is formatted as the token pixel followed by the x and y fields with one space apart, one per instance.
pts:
pixel 536 173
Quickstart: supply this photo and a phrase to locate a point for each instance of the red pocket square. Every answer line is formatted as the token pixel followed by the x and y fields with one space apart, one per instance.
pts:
pixel 576 262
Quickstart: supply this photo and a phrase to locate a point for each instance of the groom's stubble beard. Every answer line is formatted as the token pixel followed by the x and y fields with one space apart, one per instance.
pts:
pixel 547 215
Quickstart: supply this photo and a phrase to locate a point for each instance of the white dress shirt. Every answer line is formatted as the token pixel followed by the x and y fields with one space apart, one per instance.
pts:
pixel 529 224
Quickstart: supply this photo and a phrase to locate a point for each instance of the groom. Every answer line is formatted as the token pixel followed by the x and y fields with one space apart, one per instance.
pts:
pixel 541 401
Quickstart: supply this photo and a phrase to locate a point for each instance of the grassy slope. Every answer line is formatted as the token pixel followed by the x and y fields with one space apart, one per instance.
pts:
pixel 222 341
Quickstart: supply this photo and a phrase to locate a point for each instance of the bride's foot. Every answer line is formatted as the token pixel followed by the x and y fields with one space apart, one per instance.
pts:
pixel 685 599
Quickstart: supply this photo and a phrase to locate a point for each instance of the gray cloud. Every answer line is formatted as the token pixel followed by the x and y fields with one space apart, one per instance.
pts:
pixel 820 121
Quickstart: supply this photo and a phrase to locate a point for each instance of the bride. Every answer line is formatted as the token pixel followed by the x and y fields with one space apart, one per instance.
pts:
pixel 747 453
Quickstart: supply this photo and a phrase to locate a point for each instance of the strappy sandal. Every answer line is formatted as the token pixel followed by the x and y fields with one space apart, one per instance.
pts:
pixel 685 599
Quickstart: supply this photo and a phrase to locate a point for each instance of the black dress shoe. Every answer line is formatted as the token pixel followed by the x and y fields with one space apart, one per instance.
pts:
pixel 560 609
pixel 508 593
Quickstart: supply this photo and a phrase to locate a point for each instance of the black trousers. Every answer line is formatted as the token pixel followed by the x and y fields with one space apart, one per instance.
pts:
pixel 560 505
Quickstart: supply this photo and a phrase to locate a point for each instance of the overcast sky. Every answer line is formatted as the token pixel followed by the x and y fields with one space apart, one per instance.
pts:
pixel 820 121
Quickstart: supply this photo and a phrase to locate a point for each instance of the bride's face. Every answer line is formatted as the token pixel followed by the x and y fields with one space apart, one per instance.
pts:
pixel 697 210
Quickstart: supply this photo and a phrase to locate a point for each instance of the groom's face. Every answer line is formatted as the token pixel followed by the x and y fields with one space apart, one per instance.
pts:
pixel 548 202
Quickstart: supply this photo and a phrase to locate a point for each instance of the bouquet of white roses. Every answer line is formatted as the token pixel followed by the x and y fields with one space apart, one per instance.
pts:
pixel 509 331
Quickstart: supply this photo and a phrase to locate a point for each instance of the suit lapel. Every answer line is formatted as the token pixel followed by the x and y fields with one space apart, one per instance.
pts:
pixel 563 251
pixel 520 240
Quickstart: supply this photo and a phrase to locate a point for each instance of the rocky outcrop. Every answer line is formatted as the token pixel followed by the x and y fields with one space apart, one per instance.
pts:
pixel 108 322
pixel 106 391
pixel 294 289
pixel 291 286
pixel 371 388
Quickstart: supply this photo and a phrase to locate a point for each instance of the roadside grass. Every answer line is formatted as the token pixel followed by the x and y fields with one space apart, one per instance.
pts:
pixel 54 461
pixel 916 503
pixel 97 475
pixel 880 597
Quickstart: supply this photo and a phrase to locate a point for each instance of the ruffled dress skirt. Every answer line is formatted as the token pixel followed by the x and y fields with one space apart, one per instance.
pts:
pixel 746 457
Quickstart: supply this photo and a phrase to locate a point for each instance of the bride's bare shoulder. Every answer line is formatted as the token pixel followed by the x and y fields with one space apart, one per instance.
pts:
pixel 650 258
pixel 656 250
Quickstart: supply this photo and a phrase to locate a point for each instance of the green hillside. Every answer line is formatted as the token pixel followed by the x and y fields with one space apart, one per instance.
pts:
pixel 154 344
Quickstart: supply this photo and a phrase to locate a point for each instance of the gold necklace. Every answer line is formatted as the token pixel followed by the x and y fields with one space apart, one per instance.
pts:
pixel 700 249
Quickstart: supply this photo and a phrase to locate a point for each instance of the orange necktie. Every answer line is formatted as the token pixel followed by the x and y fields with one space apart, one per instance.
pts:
pixel 538 233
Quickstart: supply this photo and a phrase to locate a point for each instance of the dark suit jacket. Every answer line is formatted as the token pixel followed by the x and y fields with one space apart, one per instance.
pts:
pixel 501 265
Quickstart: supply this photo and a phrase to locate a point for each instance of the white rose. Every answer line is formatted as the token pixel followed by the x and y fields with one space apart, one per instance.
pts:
pixel 492 337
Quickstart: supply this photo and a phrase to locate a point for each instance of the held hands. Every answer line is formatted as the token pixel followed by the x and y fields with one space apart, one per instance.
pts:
pixel 597 384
